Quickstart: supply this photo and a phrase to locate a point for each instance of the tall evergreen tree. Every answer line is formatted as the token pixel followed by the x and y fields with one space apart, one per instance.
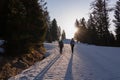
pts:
pixel 76 35
pixel 59 32
pixel 81 35
pixel 117 21
pixel 63 35
pixel 54 30
pixel 49 34
pixel 92 33
pixel 46 13
pixel 100 12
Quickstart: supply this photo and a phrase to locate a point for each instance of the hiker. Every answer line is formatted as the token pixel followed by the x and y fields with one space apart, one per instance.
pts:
pixel 72 43
pixel 61 45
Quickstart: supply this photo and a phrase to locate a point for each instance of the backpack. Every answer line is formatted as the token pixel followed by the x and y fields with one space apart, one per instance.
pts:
pixel 61 44
pixel 72 42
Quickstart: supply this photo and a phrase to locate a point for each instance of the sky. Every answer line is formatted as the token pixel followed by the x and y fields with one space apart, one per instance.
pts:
pixel 67 11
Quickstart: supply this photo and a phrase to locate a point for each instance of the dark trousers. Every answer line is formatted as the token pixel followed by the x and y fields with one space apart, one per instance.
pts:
pixel 61 49
pixel 72 48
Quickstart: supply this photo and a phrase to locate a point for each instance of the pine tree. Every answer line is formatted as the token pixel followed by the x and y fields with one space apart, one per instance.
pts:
pixel 54 30
pixel 63 35
pixel 117 21
pixel 100 12
pixel 81 35
pixel 49 34
pixel 92 33
pixel 76 33
pixel 59 32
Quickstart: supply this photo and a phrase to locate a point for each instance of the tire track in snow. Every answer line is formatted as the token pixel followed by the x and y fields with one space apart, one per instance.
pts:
pixel 47 68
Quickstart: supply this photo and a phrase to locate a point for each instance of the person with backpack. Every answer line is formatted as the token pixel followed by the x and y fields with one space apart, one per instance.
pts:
pixel 72 43
pixel 61 45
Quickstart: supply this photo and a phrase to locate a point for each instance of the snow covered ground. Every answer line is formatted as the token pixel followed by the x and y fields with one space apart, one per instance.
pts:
pixel 96 63
pixel 88 62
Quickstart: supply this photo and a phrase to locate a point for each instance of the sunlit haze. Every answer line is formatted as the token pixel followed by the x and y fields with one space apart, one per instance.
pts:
pixel 67 11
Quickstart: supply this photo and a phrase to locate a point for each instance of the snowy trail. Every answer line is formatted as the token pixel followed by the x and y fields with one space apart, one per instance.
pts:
pixel 86 63
pixel 59 69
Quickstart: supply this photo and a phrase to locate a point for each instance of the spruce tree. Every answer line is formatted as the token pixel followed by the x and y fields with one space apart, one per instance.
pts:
pixel 92 33
pixel 54 30
pixel 81 34
pixel 49 34
pixel 59 32
pixel 117 21
pixel 63 35
pixel 100 12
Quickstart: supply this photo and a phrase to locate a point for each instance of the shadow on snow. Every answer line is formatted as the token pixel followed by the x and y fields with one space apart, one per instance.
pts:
pixel 68 75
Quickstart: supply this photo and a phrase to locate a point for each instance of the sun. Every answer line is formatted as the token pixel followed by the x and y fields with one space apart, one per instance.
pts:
pixel 75 30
